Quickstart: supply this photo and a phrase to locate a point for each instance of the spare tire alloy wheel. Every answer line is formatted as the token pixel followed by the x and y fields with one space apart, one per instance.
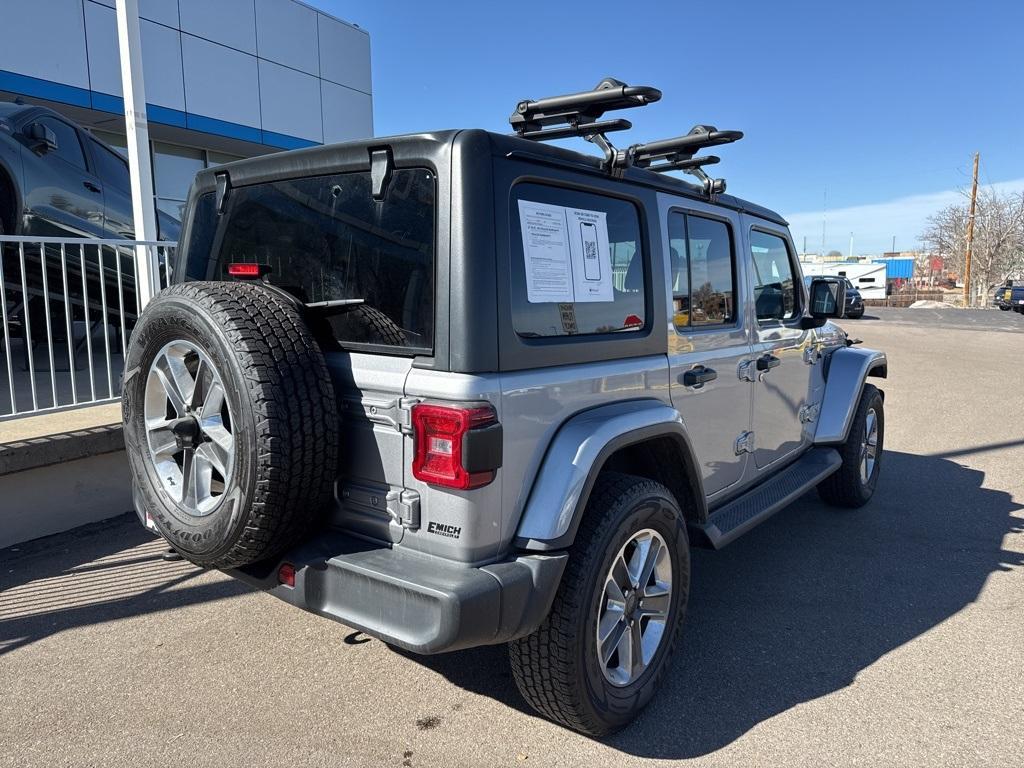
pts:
pixel 188 427
pixel 230 422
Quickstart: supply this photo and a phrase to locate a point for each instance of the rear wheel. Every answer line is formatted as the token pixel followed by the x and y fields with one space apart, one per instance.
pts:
pixel 601 653
pixel 1004 309
pixel 854 483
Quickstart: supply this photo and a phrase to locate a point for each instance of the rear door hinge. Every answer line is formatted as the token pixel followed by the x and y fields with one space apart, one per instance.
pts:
pixel 404 421
pixel 404 509
pixel 744 443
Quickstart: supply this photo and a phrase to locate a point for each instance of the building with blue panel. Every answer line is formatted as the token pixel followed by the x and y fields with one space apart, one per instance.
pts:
pixel 224 78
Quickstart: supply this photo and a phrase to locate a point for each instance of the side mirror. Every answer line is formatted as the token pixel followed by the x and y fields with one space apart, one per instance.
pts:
pixel 41 139
pixel 828 299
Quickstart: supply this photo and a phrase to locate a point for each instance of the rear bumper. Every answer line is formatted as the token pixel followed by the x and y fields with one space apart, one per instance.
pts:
pixel 421 603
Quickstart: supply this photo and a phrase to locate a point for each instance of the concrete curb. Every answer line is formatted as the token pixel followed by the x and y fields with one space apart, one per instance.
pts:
pixel 38 452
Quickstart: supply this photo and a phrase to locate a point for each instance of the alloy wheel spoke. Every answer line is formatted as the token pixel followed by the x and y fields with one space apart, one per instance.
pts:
pixel 211 455
pixel 651 558
pixel 162 440
pixel 636 652
pixel 613 640
pixel 170 385
pixel 613 592
pixel 202 477
pixel 213 398
pixel 222 442
pixel 620 573
pixel 656 602
pixel 639 560
pixel 199 383
pixel 188 479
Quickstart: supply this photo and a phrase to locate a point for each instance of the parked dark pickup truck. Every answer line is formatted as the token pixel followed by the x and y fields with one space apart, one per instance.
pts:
pixel 58 180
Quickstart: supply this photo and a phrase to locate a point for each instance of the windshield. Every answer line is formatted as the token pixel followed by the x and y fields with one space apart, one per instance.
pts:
pixel 325 238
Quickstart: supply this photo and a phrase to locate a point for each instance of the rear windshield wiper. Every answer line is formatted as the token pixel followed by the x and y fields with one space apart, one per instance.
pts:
pixel 332 307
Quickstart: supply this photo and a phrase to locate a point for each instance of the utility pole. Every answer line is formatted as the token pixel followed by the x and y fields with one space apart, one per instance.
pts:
pixel 137 127
pixel 851 247
pixel 970 234
pixel 824 214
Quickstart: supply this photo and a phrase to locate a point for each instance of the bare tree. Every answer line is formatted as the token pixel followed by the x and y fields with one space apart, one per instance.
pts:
pixel 998 249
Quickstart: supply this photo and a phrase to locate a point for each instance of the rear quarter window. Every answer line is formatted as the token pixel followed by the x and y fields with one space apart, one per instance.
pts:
pixel 577 263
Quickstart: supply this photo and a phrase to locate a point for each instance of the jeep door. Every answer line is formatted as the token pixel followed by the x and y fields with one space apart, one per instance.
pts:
pixel 708 339
pixel 782 373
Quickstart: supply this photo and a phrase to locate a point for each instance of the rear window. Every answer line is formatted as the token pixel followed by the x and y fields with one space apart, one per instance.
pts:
pixel 577 263
pixel 326 238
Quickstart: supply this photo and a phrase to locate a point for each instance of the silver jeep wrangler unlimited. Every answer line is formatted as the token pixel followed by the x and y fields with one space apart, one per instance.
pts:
pixel 462 388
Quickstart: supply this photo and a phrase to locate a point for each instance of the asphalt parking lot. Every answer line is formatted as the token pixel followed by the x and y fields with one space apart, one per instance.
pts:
pixel 892 635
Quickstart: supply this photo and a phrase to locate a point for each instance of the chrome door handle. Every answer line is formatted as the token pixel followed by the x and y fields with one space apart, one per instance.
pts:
pixel 766 362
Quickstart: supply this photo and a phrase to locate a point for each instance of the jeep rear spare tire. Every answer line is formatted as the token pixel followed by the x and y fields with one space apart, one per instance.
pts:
pixel 230 422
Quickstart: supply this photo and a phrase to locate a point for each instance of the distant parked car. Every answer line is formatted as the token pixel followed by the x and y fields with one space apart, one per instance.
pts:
pixel 1009 297
pixel 58 180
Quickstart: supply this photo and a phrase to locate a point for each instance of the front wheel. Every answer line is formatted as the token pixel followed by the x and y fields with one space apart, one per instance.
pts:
pixel 1004 309
pixel 853 484
pixel 601 653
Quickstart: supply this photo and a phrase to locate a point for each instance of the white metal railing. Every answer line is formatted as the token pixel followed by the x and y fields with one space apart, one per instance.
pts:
pixel 67 307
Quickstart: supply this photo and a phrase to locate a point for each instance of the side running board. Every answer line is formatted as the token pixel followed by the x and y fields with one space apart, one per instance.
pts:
pixel 731 521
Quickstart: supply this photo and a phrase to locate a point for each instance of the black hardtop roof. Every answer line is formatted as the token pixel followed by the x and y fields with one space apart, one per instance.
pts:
pixel 354 155
pixel 12 108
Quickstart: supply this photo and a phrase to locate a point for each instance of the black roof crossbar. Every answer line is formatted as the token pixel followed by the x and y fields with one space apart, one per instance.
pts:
pixel 682 147
pixel 687 164
pixel 678 154
pixel 580 111
pixel 579 114
pixel 577 129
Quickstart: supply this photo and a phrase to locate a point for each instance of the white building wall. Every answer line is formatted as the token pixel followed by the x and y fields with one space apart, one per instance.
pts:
pixel 270 65
pixel 869 279
pixel 63 58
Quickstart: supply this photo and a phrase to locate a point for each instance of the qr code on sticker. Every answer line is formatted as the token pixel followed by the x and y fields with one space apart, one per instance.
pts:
pixel 589 249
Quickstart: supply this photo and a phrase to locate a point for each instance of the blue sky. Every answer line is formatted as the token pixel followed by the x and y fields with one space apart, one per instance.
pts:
pixel 879 105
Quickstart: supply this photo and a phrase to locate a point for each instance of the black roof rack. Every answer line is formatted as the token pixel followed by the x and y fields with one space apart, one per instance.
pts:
pixel 579 114
pixel 677 154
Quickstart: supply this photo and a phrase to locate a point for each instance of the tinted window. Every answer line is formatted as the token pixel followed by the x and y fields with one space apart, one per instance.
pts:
pixel 326 239
pixel 703 271
pixel 596 247
pixel 69 148
pixel 111 168
pixel 775 291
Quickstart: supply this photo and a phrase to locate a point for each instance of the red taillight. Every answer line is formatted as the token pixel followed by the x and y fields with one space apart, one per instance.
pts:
pixel 286 574
pixel 247 270
pixel 439 432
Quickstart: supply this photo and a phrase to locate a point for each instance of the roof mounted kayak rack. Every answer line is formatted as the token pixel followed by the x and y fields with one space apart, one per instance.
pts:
pixel 579 114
